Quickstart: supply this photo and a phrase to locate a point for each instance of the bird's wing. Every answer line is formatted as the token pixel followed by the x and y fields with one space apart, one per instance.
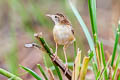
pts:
pixel 72 30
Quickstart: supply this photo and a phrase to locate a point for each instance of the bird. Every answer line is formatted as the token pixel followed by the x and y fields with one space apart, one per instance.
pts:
pixel 63 32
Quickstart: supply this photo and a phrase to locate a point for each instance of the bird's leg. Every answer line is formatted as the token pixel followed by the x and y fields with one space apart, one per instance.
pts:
pixel 66 64
pixel 56 49
pixel 55 53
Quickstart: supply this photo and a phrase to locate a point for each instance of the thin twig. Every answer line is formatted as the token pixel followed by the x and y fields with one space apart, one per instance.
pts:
pixel 31 45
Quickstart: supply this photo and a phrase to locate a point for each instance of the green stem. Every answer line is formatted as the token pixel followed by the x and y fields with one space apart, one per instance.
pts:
pixel 92 12
pixel 75 49
pixel 42 71
pixel 103 61
pixel 115 47
pixel 9 75
pixel 116 67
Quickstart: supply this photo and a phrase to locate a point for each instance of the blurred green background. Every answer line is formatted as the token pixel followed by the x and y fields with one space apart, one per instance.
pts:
pixel 20 19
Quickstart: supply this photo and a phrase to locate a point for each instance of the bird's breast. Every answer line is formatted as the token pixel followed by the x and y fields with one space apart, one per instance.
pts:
pixel 62 34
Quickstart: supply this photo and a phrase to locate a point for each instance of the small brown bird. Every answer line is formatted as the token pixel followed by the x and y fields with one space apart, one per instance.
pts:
pixel 63 32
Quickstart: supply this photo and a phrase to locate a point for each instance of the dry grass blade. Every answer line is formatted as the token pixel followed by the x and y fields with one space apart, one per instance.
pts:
pixel 76 67
pixel 51 77
pixel 98 58
pixel 110 73
pixel 118 74
pixel 84 68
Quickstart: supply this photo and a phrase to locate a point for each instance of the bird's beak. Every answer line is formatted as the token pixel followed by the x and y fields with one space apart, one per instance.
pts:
pixel 48 15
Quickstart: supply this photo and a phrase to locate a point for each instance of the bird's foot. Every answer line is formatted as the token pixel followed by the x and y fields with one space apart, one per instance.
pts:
pixel 55 56
pixel 66 68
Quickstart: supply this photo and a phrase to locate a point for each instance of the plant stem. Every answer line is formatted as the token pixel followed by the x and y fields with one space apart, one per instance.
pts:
pixel 92 12
pixel 103 61
pixel 75 49
pixel 9 75
pixel 115 46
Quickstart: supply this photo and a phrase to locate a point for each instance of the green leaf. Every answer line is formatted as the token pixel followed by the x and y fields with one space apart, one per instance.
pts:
pixel 9 75
pixel 116 67
pixel 94 67
pixel 91 54
pixel 115 45
pixel 103 71
pixel 92 12
pixel 45 46
pixel 119 77
pixel 34 74
pixel 44 59
pixel 75 49
pixel 103 61
pixel 42 71
pixel 58 72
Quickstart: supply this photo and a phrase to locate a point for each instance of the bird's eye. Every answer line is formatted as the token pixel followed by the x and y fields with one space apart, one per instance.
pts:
pixel 55 16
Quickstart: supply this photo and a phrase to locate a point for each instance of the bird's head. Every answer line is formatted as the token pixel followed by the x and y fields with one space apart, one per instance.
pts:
pixel 59 18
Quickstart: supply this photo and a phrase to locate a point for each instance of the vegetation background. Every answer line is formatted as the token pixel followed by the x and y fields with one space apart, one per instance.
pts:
pixel 20 19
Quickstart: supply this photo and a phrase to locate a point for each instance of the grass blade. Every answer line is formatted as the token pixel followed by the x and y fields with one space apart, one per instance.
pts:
pixel 34 74
pixel 84 68
pixel 84 27
pixel 42 71
pixel 91 54
pixel 44 59
pixel 119 77
pixel 92 12
pixel 94 67
pixel 116 67
pixel 75 49
pixel 76 67
pixel 98 55
pixel 103 61
pixel 9 75
pixel 103 56
pixel 58 72
pixel 51 76
pixel 115 45
pixel 105 68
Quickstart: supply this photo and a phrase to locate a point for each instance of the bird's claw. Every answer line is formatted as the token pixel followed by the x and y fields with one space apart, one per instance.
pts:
pixel 55 57
pixel 66 68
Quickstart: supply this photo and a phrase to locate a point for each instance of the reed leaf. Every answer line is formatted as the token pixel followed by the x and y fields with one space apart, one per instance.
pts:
pixel 58 72
pixel 116 67
pixel 92 12
pixel 9 75
pixel 75 49
pixel 103 61
pixel 42 71
pixel 34 74
pixel 115 45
